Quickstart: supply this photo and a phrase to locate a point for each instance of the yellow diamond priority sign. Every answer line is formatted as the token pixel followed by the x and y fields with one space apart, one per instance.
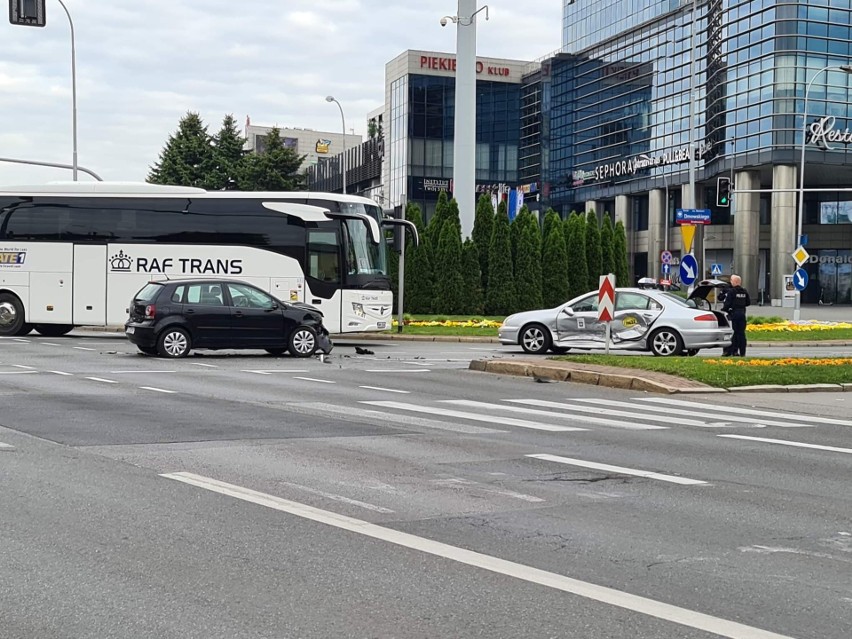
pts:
pixel 801 255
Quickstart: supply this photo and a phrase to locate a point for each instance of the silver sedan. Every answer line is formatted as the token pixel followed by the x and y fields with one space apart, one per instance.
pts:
pixel 644 320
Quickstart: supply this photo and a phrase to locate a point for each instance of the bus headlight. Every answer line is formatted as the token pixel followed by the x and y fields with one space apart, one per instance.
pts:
pixel 358 309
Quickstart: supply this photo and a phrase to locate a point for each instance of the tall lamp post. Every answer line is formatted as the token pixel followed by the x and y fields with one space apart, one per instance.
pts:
pixel 73 94
pixel 846 68
pixel 342 155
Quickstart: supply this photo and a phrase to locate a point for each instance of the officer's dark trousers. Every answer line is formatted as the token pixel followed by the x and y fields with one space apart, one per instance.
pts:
pixel 738 343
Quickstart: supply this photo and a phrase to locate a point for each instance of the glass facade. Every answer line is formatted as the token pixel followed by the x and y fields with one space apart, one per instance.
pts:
pixel 422 131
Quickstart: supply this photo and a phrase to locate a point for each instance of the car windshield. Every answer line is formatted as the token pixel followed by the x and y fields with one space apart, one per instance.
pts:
pixel 149 292
pixel 670 297
pixel 364 256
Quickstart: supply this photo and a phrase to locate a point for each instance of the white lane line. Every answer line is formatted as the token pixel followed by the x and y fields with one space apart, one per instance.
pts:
pixel 784 442
pixel 420 363
pixel 386 390
pixel 587 409
pixel 398 370
pixel 62 373
pixel 341 498
pixel 458 481
pixel 158 390
pixel 270 372
pixel 6 446
pixel 49 344
pixel 17 372
pixel 83 348
pixel 318 381
pixel 594 592
pixel 29 368
pixel 204 365
pixel 23 341
pixel 400 421
pixel 101 379
pixel 141 372
pixel 712 421
pixel 747 411
pixel 620 470
pixel 506 421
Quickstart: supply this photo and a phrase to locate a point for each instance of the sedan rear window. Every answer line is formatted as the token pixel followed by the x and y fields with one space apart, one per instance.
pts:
pixel 150 292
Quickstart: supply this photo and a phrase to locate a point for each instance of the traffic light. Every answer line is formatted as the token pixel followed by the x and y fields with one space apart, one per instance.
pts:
pixel 723 192
pixel 28 13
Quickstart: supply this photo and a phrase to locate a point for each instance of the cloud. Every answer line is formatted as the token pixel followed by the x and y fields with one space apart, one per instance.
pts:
pixel 142 65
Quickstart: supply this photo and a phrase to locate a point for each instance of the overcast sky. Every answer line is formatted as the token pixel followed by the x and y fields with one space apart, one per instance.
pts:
pixel 142 64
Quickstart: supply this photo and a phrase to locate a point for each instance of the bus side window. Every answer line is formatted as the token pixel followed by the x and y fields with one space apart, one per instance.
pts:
pixel 323 256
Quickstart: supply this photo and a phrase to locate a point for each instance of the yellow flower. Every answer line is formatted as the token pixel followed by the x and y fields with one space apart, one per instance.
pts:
pixel 785 361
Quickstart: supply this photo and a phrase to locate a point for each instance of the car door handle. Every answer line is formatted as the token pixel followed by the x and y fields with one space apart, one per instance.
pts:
pixel 238 313
pixel 190 311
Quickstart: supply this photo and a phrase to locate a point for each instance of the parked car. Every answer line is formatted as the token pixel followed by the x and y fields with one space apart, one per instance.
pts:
pixel 173 317
pixel 645 320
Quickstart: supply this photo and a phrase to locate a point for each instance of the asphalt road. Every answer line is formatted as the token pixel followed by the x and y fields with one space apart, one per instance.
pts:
pixel 397 494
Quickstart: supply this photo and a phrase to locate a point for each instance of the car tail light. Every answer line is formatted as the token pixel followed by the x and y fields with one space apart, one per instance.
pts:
pixel 706 317
pixel 150 311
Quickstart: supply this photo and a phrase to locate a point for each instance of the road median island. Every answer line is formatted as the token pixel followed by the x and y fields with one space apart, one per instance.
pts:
pixel 684 374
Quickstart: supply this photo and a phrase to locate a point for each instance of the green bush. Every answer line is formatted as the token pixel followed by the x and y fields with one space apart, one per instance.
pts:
pixel 528 262
pixel 607 246
pixel 483 225
pixel 594 258
pixel 554 286
pixel 500 296
pixel 578 265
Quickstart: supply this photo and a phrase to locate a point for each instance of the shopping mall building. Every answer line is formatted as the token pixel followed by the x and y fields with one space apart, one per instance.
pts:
pixel 604 123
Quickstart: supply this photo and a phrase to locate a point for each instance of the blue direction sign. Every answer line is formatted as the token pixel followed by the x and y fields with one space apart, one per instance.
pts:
pixel 667 268
pixel 800 279
pixel 692 216
pixel 716 269
pixel 688 269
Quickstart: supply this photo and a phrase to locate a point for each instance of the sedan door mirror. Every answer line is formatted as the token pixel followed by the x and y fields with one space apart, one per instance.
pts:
pixel 568 311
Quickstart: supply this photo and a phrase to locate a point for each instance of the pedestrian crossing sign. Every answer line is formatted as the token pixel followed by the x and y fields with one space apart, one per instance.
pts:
pixel 716 269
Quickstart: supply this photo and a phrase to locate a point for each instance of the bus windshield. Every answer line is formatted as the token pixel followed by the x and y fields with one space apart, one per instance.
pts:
pixel 365 257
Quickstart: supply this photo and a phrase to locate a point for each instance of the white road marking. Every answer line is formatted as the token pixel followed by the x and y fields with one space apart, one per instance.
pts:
pixel 141 372
pixel 62 373
pixel 23 341
pixel 582 409
pixel 620 470
pixel 420 363
pixel 713 421
pixel 399 370
pixel 594 592
pixel 747 411
pixel 100 379
pixel 784 442
pixel 396 420
pixel 506 421
pixel 17 372
pixel 158 390
pixel 341 498
pixel 386 390
pixel 83 348
pixel 204 365
pixel 458 481
pixel 49 344
pixel 270 372
pixel 6 446
pixel 318 381
pixel 29 368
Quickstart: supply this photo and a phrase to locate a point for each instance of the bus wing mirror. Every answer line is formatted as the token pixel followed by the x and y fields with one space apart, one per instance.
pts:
pixel 372 224
pixel 405 225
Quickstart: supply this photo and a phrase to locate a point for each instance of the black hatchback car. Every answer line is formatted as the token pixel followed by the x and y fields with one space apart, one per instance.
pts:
pixel 171 318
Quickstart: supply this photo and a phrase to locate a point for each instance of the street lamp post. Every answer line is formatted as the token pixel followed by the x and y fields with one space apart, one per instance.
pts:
pixel 846 68
pixel 342 155
pixel 73 94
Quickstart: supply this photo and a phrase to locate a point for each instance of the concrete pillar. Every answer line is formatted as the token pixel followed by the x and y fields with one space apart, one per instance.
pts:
pixel 656 230
pixel 464 147
pixel 783 228
pixel 747 230
pixel 591 205
pixel 622 214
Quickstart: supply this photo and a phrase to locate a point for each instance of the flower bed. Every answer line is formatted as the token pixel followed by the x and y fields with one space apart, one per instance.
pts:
pixel 786 361
pixel 471 323
pixel 797 327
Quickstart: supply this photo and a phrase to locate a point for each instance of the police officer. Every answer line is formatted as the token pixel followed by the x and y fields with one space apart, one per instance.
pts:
pixel 720 297
pixel 735 305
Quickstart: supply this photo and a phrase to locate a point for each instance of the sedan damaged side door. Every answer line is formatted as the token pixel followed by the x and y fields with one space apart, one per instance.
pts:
pixel 577 324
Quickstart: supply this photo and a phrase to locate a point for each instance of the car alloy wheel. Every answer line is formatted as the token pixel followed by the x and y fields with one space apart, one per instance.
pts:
pixel 303 342
pixel 535 339
pixel 665 343
pixel 173 342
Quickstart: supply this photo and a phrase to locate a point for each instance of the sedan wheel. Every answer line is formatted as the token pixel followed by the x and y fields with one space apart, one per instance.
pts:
pixel 666 342
pixel 303 342
pixel 174 343
pixel 535 339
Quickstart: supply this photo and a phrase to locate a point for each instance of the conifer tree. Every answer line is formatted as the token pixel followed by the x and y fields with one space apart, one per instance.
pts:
pixel 483 224
pixel 593 250
pixel 622 270
pixel 228 154
pixel 276 169
pixel 433 228
pixel 472 293
pixel 187 159
pixel 418 268
pixel 551 217
pixel 528 262
pixel 607 246
pixel 554 264
pixel 578 266
pixel 449 285
pixel 500 296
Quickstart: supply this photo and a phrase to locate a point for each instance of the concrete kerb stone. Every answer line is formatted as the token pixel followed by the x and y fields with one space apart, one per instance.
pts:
pixel 759 388
pixel 813 388
pixel 846 387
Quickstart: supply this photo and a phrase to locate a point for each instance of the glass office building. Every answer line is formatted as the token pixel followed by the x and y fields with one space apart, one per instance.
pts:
pixel 614 123
pixel 420 113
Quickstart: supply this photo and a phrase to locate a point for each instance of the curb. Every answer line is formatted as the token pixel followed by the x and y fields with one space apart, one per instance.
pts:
pixel 629 381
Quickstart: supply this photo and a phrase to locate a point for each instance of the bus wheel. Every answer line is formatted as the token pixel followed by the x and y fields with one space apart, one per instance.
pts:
pixel 53 330
pixel 303 342
pixel 12 322
pixel 174 342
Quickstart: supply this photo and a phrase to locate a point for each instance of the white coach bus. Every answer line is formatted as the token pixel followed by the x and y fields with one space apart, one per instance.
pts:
pixel 73 254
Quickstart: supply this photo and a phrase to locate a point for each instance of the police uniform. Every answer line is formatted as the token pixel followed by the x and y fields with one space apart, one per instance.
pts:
pixel 735 305
pixel 720 297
